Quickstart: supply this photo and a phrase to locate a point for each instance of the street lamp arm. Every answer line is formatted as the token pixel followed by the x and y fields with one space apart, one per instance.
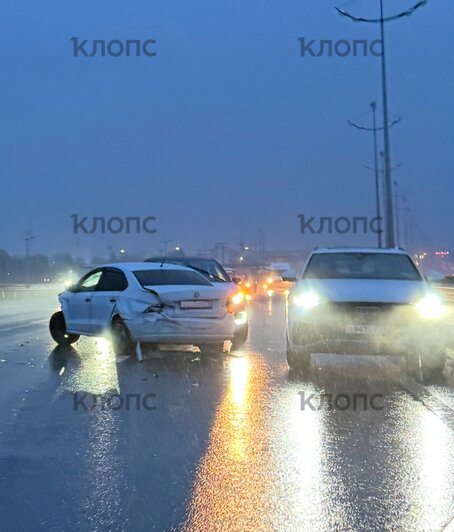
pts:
pixel 406 13
pixel 364 128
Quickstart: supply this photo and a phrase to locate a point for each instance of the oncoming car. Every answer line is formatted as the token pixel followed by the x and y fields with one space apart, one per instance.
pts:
pixel 216 274
pixel 374 301
pixel 146 302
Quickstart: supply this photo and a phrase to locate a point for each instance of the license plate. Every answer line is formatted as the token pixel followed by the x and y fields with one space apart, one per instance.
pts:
pixel 363 329
pixel 196 304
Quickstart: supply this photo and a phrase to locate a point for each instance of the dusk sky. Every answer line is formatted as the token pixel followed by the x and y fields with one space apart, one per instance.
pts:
pixel 226 131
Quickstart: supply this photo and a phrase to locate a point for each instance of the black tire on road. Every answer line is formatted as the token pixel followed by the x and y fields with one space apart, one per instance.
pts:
pixel 240 337
pixel 57 329
pixel 300 361
pixel 121 339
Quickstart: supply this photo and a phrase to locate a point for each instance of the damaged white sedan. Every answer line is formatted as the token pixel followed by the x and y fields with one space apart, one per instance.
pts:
pixel 146 303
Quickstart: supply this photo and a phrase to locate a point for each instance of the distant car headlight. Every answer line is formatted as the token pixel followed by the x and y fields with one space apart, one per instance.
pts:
pixel 431 307
pixel 306 300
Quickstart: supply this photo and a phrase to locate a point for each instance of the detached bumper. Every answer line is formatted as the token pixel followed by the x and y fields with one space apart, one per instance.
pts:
pixel 154 327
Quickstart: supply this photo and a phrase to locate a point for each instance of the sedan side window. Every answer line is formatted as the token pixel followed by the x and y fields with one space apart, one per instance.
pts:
pixel 112 281
pixel 90 283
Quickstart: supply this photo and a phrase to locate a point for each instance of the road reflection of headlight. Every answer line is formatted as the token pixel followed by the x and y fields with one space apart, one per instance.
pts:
pixel 269 293
pixel 431 307
pixel 307 300
pixel 103 346
pixel 97 374
pixel 239 371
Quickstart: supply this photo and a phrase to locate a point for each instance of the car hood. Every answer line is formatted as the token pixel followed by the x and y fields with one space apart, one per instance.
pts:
pixel 365 290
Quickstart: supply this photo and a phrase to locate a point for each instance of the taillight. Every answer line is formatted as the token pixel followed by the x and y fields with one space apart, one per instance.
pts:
pixel 234 302
pixel 238 298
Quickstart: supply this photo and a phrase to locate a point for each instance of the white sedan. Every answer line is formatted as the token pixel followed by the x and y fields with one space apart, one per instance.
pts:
pixel 374 301
pixel 146 302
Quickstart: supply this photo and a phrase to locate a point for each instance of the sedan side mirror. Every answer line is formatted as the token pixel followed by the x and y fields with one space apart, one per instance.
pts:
pixel 289 276
pixel 237 280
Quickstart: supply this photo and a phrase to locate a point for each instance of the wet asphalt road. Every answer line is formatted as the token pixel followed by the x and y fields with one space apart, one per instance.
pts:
pixel 214 444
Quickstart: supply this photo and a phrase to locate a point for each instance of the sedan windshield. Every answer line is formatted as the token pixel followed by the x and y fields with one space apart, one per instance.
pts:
pixel 211 269
pixel 361 266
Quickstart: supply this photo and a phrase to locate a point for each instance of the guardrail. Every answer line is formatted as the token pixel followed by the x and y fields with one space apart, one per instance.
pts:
pixel 11 292
pixel 447 293
pixel 445 288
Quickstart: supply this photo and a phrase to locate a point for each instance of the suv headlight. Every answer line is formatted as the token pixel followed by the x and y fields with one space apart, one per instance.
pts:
pixel 431 306
pixel 306 300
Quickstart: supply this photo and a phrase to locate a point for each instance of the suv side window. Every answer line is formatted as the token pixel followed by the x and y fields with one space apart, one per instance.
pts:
pixel 112 281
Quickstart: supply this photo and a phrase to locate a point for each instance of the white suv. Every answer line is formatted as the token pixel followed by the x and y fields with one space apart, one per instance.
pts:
pixel 366 301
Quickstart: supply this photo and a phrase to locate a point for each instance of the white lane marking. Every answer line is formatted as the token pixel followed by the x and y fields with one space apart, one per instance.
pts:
pixel 433 403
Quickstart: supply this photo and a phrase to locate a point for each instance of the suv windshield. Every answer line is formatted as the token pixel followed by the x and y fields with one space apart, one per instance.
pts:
pixel 361 266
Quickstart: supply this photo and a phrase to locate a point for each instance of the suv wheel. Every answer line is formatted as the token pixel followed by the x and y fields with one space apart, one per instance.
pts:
pixel 426 366
pixel 300 361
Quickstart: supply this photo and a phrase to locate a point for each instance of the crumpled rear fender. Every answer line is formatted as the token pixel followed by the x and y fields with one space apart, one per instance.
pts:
pixel 132 307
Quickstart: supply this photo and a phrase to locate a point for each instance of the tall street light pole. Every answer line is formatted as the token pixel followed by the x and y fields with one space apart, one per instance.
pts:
pixel 389 218
pixel 375 169
pixel 389 211
pixel 377 179
pixel 28 238
pixel 396 196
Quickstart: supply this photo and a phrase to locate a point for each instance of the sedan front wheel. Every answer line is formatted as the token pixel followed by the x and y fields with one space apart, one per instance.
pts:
pixel 57 328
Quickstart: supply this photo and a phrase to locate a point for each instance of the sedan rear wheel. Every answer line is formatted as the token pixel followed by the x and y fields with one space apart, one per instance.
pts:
pixel 121 339
pixel 57 328
pixel 240 337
